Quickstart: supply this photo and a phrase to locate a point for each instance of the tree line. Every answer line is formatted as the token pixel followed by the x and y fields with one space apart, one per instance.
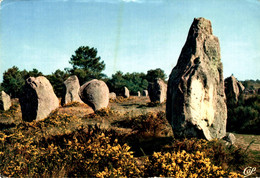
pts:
pixel 86 65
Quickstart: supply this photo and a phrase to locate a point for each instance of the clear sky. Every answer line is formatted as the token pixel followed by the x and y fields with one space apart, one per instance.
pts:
pixel 130 35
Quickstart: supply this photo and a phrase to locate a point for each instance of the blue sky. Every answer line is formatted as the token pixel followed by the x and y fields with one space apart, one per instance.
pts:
pixel 130 35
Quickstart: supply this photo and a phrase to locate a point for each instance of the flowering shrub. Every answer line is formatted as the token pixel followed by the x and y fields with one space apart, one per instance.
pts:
pixel 183 164
pixel 228 157
pixel 61 146
pixel 81 153
pixel 106 160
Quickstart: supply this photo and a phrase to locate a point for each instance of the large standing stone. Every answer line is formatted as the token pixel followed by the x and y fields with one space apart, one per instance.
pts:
pixel 196 104
pixel 71 90
pixel 38 100
pixel 233 89
pixel 145 93
pixel 126 92
pixel 5 101
pixel 157 90
pixel 138 93
pixel 95 93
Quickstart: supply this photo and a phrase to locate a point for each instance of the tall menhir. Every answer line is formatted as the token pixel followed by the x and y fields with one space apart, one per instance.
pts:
pixel 196 102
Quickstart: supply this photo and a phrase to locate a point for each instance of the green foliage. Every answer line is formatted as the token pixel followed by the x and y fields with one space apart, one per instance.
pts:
pixel 56 79
pixel 13 81
pixel 117 82
pixel 251 84
pixel 32 73
pixel 244 116
pixel 155 73
pixel 133 81
pixel 86 64
pixel 136 82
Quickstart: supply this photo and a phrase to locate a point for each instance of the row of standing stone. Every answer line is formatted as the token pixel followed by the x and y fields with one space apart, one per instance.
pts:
pixel 196 99
pixel 39 100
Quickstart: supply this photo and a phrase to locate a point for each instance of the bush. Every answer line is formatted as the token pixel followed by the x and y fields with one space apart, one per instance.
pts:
pixel 60 147
pixel 231 157
pixel 244 117
pixel 81 153
pixel 183 164
pixel 90 152
pixel 147 125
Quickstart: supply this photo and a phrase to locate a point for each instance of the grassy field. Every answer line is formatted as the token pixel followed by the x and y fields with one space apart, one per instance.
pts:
pixel 124 140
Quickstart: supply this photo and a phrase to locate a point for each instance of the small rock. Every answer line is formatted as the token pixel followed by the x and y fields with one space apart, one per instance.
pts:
pixel 230 138
pixel 112 96
pixel 5 101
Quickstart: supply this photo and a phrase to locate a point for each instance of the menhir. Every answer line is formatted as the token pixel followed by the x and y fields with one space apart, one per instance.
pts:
pixel 38 99
pixel 71 90
pixel 233 90
pixel 196 104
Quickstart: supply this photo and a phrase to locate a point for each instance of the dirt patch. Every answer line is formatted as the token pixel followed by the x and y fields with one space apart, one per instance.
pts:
pixel 244 140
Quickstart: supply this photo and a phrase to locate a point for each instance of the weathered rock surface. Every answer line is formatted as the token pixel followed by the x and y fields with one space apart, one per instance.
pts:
pixel 241 87
pixel 5 101
pixel 95 93
pixel 157 90
pixel 138 93
pixel 71 90
pixel 112 95
pixel 39 99
pixel 196 104
pixel 126 92
pixel 233 89
pixel 145 93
